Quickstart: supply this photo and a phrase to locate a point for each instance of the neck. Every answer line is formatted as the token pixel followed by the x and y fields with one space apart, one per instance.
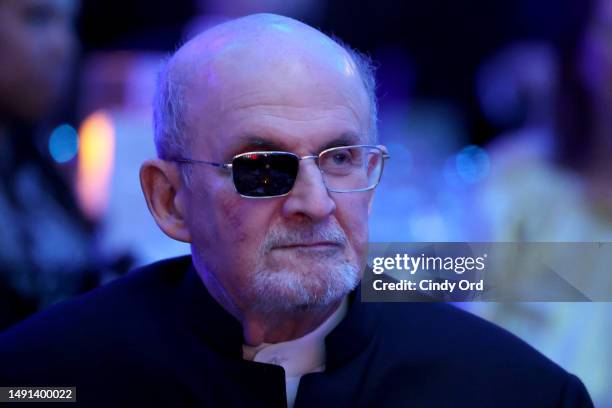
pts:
pixel 284 326
pixel 272 327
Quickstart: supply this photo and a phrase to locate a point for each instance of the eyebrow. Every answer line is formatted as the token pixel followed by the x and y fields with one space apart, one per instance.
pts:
pixel 251 142
pixel 346 139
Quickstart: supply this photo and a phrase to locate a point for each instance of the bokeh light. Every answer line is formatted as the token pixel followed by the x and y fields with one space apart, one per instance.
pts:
pixel 472 164
pixel 63 143
pixel 96 159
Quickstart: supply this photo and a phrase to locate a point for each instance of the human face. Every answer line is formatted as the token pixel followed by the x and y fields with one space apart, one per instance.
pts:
pixel 308 248
pixel 36 46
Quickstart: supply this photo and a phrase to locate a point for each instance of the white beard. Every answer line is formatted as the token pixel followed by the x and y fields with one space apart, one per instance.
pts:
pixel 286 291
pixel 280 288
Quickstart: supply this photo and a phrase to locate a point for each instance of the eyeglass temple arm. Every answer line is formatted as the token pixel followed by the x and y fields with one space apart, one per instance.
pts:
pixel 383 150
pixel 190 161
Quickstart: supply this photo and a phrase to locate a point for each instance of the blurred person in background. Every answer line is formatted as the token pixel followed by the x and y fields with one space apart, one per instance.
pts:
pixel 551 181
pixel 46 245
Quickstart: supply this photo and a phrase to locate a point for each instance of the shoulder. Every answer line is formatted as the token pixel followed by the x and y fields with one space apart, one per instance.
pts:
pixel 473 358
pixel 99 322
pixel 451 331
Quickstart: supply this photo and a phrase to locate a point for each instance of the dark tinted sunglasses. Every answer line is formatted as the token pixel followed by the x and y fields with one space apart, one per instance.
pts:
pixel 265 174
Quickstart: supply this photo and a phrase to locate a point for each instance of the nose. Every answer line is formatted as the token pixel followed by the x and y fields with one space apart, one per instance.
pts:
pixel 309 197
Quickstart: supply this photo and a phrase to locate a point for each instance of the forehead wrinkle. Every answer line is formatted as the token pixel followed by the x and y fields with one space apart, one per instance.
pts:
pixel 351 125
pixel 252 141
pixel 304 87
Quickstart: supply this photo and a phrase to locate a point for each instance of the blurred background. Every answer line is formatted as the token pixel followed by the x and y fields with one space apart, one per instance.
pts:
pixel 497 114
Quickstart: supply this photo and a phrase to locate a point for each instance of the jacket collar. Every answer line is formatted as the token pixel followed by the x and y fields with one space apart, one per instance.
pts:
pixel 221 331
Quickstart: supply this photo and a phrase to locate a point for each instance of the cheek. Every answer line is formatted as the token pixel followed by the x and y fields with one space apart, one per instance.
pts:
pixel 352 214
pixel 232 217
pixel 233 223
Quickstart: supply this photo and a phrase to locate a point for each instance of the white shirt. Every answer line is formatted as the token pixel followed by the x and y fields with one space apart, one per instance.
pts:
pixel 298 356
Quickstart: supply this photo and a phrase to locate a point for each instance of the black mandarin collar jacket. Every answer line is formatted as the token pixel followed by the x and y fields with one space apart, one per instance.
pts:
pixel 157 338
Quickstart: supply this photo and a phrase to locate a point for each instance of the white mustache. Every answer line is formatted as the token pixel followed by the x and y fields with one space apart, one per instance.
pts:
pixel 280 237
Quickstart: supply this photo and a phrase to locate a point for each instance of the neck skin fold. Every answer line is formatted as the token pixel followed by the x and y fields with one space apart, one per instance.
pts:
pixel 275 327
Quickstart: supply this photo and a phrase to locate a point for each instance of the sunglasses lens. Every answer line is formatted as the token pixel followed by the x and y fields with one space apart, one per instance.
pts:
pixel 264 174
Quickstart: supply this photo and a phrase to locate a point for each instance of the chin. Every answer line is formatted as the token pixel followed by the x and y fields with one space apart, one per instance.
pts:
pixel 288 290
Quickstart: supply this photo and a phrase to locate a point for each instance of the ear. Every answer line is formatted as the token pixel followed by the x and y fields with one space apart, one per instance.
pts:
pixel 166 197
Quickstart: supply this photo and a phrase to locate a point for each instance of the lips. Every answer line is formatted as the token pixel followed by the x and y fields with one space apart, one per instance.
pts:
pixel 309 245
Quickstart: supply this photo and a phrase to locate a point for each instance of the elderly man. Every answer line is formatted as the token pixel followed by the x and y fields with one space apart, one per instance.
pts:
pixel 266 134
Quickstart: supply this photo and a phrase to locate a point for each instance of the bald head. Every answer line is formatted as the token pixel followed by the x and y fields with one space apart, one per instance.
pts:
pixel 214 72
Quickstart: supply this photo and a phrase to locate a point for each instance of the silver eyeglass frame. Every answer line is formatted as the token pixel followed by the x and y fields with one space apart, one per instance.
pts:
pixel 229 166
